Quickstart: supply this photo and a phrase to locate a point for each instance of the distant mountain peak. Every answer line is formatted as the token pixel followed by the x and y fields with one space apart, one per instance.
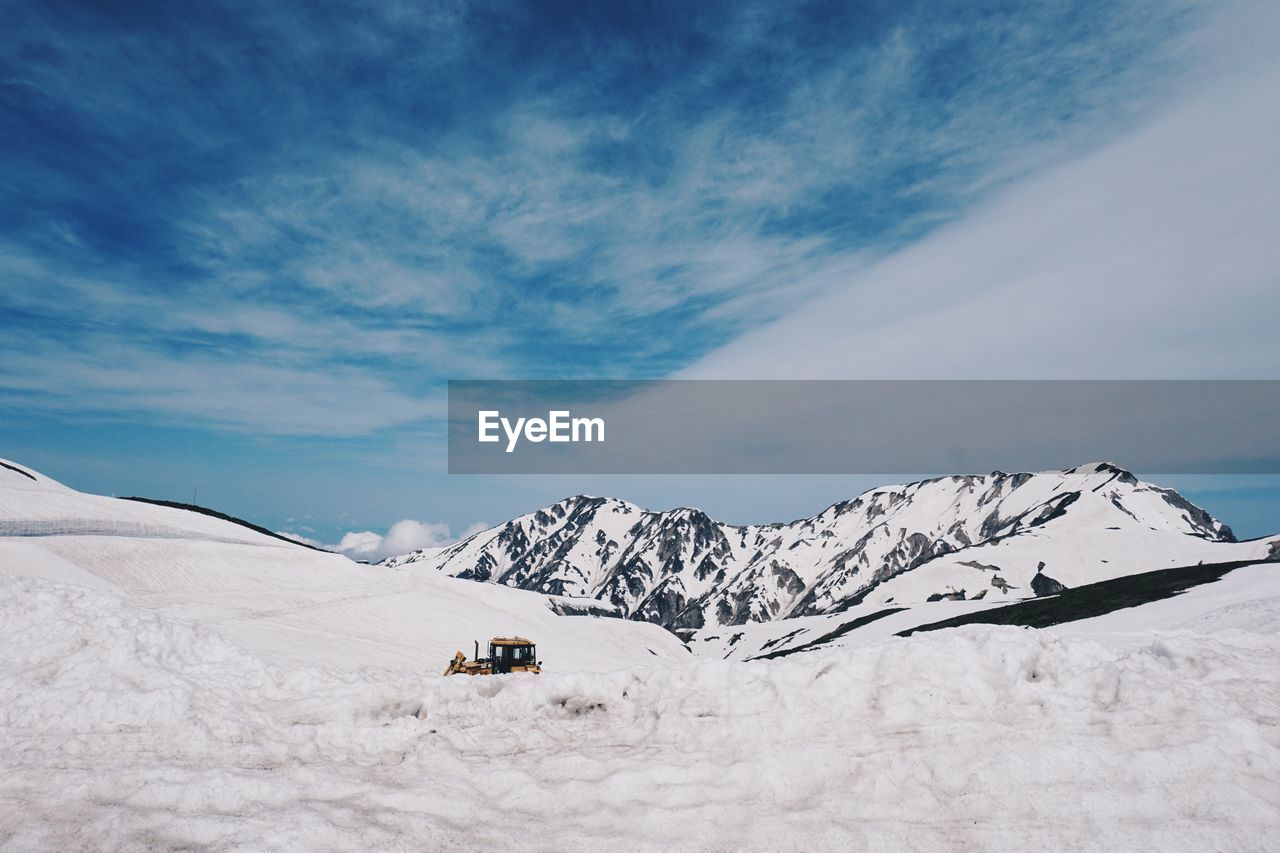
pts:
pixel 682 569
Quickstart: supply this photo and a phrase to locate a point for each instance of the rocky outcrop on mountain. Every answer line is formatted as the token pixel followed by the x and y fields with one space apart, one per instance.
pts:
pixel 1042 584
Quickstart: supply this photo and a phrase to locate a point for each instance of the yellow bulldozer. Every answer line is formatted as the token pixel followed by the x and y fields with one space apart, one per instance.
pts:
pixel 506 654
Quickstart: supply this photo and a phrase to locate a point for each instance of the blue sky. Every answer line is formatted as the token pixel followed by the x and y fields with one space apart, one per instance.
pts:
pixel 245 245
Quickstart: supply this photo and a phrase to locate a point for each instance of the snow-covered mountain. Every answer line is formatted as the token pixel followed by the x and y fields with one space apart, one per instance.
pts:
pixel 286 602
pixel 1003 536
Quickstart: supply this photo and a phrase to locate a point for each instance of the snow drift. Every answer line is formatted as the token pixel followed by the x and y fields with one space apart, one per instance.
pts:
pixel 123 729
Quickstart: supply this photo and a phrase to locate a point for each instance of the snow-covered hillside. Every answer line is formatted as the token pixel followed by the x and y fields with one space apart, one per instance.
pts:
pixel 997 537
pixel 123 729
pixel 285 602
pixel 1141 600
pixel 172 681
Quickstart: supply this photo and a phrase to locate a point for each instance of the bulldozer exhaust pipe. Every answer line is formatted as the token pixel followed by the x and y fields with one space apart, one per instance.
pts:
pixel 477 654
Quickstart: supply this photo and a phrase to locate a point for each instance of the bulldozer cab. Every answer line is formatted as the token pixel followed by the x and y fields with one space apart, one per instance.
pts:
pixel 506 654
pixel 512 654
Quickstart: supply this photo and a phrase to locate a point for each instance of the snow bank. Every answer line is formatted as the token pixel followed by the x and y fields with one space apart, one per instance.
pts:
pixel 123 729
pixel 77 661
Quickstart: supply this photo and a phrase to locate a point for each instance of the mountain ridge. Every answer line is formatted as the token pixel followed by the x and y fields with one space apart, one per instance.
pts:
pixel 684 570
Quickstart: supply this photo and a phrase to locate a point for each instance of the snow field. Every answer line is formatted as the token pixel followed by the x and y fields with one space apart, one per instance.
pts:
pixel 123 729
pixel 288 604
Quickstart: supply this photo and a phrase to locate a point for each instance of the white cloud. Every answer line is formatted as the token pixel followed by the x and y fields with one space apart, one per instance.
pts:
pixel 402 537
pixel 724 222
pixel 361 545
pixel 1152 257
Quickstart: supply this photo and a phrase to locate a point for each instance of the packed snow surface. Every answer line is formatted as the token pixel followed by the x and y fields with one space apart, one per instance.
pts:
pixel 124 729
pixel 174 681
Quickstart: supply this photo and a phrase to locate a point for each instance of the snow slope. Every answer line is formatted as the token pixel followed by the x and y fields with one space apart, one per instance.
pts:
pixel 1247 599
pixel 170 681
pixel 285 602
pixel 965 536
pixel 1213 595
pixel 125 729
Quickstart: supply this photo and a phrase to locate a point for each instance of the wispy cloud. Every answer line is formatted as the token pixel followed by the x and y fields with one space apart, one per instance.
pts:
pixel 303 219
pixel 1153 256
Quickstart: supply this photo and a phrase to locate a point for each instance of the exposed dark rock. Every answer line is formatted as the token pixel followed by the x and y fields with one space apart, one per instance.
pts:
pixel 706 568
pixel 203 510
pixel 786 578
pixel 1043 585
pixel 482 570
pixel 1198 517
pixel 1055 508
pixel 1115 502
pixel 664 605
pixel 26 474
pixel 838 632
pixel 781 639
pixel 1090 600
